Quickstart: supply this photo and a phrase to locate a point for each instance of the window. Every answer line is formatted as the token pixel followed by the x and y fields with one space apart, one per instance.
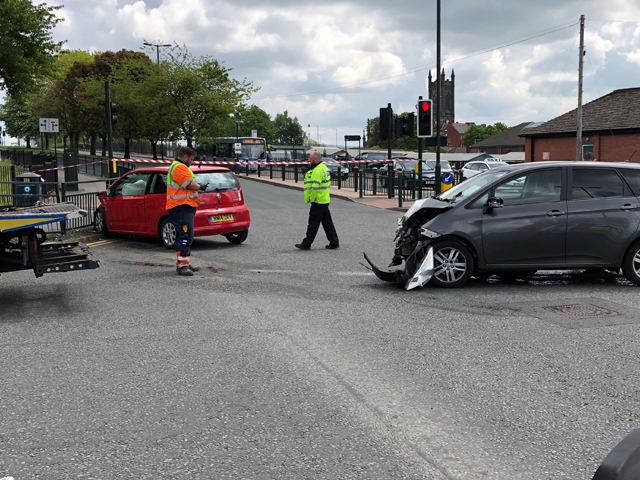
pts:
pixel 159 184
pixel 632 176
pixel 536 187
pixel 596 183
pixel 133 184
pixel 218 181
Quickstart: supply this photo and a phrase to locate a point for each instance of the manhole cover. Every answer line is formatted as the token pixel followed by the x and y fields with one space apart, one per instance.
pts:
pixel 579 312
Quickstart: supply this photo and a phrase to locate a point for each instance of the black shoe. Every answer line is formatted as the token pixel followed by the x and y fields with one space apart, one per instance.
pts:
pixel 303 246
pixel 184 271
pixel 332 246
pixel 193 269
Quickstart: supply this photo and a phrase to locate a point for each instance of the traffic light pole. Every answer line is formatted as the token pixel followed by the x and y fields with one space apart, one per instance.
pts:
pixel 107 113
pixel 437 180
pixel 419 160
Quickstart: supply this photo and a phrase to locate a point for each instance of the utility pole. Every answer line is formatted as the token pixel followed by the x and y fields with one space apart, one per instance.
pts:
pixel 579 115
pixel 439 96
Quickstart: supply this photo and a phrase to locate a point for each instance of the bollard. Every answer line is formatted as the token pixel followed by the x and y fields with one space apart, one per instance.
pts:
pixel 375 181
pixel 355 178
pixel 361 173
pixel 400 193
pixel 271 172
pixel 295 173
pixel 623 462
pixel 339 176
pixel 283 175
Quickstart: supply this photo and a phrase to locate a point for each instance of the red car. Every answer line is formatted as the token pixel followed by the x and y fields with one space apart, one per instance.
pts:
pixel 135 205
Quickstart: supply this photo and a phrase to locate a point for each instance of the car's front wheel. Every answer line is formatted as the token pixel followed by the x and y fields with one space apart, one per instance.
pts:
pixel 452 264
pixel 100 222
pixel 167 233
pixel 237 237
pixel 631 264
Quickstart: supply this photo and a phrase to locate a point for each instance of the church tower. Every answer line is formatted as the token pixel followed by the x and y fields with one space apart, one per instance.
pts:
pixel 447 105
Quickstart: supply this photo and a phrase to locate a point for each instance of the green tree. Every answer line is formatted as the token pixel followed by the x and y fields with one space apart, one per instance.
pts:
pixel 254 118
pixel 26 46
pixel 288 130
pixel 18 119
pixel 204 94
pixel 477 133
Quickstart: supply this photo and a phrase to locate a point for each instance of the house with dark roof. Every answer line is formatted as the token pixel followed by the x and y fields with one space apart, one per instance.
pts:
pixel 454 131
pixel 503 142
pixel 610 129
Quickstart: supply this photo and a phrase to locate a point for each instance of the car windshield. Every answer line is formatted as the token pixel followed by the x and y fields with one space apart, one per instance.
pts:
pixel 471 186
pixel 431 165
pixel 217 181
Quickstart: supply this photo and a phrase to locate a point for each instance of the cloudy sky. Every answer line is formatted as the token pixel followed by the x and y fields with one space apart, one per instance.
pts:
pixel 333 64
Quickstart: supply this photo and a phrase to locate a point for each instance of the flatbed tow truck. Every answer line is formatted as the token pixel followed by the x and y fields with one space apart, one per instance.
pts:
pixel 24 246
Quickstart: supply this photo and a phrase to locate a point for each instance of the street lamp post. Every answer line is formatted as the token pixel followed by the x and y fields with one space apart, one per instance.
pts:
pixel 158 45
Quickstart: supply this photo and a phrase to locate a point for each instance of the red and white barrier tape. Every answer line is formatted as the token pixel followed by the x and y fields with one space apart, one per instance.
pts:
pixel 240 162
pixel 203 162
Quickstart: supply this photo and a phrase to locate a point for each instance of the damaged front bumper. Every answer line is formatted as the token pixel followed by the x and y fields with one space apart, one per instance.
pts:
pixel 409 280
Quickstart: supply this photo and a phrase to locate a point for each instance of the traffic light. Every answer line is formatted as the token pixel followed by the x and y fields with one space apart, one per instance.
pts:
pixel 409 126
pixel 425 118
pixel 405 125
pixel 398 126
pixel 384 123
pixel 114 116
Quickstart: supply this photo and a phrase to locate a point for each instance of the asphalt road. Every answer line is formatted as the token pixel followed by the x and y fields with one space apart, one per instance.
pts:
pixel 275 363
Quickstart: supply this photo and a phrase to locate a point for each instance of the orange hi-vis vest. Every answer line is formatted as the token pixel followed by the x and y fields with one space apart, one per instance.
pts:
pixel 178 177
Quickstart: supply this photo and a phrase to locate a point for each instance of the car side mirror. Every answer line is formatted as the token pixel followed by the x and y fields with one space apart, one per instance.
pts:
pixel 495 202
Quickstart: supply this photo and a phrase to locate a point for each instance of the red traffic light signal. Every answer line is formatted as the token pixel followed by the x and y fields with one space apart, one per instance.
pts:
pixel 425 118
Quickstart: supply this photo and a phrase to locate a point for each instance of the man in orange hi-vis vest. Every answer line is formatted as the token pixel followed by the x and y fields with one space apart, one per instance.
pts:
pixel 182 201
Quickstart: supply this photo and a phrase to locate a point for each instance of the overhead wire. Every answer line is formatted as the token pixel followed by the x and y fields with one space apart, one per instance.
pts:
pixel 422 68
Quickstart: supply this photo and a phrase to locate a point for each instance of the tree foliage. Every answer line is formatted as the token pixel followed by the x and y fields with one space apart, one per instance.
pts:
pixel 204 94
pixel 288 130
pixel 477 133
pixel 26 46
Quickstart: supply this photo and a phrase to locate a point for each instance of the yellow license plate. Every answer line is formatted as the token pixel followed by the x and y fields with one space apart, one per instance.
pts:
pixel 221 218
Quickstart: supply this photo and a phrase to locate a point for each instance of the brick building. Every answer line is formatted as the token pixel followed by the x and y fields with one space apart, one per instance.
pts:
pixel 610 129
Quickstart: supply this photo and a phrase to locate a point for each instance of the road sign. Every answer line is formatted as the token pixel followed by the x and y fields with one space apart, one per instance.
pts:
pixel 447 178
pixel 237 147
pixel 49 125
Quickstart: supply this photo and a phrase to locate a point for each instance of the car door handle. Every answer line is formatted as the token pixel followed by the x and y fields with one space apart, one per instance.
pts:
pixel 627 207
pixel 555 213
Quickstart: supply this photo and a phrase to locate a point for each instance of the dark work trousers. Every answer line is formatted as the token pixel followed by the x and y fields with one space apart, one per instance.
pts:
pixel 182 218
pixel 319 214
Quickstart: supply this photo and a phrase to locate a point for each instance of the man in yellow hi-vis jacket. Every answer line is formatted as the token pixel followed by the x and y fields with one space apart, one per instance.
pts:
pixel 317 186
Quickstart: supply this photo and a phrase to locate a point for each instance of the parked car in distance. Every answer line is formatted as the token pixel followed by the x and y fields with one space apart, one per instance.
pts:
pixel 372 159
pixel 135 205
pixel 479 166
pixel 518 219
pixel 335 166
pixel 405 167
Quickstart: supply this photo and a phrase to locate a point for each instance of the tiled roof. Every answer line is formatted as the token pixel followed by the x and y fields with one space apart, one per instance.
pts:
pixel 461 128
pixel 509 138
pixel 616 111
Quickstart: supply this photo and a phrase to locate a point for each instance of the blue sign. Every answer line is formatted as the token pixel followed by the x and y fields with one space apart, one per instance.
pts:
pixel 447 178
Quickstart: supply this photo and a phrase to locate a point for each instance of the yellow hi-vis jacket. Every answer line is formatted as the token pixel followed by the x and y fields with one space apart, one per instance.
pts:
pixel 178 177
pixel 317 184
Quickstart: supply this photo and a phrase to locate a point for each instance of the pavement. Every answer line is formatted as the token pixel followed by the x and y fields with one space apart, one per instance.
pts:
pixel 93 184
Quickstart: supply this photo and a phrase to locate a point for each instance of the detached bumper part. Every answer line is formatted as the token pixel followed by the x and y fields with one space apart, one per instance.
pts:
pixel 387 276
pixel 423 273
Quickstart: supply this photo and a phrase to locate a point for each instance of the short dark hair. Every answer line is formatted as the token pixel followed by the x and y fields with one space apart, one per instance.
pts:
pixel 186 151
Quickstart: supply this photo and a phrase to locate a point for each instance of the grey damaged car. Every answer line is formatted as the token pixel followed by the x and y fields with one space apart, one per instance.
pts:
pixel 516 220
